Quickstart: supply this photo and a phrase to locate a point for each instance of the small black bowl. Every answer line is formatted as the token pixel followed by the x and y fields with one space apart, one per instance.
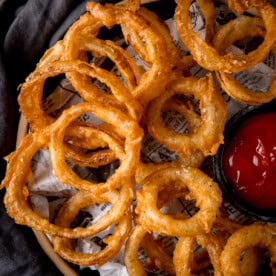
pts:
pixel 227 189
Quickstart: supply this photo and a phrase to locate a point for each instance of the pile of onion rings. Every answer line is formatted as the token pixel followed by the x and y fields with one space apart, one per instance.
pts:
pixel 127 105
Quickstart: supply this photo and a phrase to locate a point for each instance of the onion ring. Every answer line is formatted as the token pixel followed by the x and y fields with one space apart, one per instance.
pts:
pixel 18 206
pixel 251 261
pixel 145 169
pixel 127 127
pixel 208 198
pixel 246 237
pixel 81 200
pixel 193 160
pixel 208 57
pixel 85 144
pixel 78 134
pixel 213 109
pixel 63 246
pixel 225 36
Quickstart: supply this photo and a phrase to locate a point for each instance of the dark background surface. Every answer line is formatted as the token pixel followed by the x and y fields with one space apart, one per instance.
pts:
pixel 27 29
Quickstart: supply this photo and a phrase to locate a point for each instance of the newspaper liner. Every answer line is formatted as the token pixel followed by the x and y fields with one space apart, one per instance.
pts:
pixel 48 194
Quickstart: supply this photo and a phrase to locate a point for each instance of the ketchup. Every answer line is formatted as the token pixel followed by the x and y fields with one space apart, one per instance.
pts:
pixel 249 161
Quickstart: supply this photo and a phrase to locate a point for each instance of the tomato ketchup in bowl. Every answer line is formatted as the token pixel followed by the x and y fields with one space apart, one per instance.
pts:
pixel 245 165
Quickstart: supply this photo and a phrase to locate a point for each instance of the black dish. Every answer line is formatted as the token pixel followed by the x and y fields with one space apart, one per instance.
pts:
pixel 227 190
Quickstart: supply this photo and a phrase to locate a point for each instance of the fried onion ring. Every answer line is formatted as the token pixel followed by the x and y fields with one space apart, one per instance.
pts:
pixel 63 246
pixel 128 158
pixel 213 109
pixel 246 237
pixel 17 194
pixel 193 120
pixel 224 228
pixel 199 186
pixel 208 57
pixel 224 38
